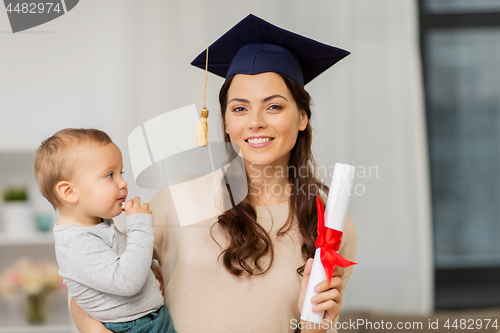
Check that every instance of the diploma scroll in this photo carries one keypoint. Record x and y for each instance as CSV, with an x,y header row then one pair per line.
x,y
330,229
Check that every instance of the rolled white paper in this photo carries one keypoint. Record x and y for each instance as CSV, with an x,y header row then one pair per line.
x,y
317,275
335,213
338,198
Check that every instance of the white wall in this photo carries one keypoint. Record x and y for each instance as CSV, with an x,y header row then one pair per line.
x,y
75,71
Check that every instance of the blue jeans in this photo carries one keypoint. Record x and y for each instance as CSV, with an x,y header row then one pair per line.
x,y
154,322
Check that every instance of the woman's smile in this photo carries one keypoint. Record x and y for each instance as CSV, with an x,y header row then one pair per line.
x,y
259,141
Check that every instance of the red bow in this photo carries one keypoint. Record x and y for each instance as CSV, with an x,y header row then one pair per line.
x,y
329,241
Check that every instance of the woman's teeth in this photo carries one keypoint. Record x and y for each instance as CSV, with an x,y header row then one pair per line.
x,y
259,140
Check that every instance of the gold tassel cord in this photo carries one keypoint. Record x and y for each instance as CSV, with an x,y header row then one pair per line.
x,y
201,136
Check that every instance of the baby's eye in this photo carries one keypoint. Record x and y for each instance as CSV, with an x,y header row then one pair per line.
x,y
122,172
109,175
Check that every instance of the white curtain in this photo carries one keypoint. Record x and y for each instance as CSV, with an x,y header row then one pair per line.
x,y
116,64
379,121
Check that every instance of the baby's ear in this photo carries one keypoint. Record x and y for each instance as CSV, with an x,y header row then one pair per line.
x,y
66,192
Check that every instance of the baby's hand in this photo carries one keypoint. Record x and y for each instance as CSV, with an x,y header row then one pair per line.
x,y
133,206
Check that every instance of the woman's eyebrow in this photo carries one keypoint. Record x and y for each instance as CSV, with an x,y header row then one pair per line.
x,y
242,100
272,97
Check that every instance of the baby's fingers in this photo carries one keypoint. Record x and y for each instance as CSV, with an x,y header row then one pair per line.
x,y
136,208
145,209
128,204
131,206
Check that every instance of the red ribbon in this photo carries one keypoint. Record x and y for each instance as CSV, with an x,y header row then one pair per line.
x,y
329,241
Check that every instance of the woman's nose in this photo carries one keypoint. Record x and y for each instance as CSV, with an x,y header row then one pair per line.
x,y
257,120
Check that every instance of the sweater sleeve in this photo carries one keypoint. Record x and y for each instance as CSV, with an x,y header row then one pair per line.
x,y
98,266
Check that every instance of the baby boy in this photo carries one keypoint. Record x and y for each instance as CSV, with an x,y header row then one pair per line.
x,y
108,273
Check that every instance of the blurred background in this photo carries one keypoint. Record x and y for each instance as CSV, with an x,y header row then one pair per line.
x,y
415,108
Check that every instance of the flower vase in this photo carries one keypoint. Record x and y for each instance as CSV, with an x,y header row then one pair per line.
x,y
36,308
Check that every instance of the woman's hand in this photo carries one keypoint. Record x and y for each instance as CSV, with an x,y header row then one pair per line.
x,y
159,276
329,297
85,323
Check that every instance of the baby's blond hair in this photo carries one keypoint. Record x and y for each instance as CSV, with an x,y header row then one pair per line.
x,y
53,160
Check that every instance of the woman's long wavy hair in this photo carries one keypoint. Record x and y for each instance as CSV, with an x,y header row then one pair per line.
x,y
249,243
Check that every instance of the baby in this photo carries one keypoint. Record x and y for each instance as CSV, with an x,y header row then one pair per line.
x,y
108,273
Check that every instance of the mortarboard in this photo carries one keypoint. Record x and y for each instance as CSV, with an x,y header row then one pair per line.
x,y
255,46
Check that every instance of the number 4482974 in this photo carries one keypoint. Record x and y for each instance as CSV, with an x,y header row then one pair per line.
x,y
471,324
34,8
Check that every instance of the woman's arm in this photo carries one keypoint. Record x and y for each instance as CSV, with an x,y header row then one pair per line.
x,y
85,323
159,276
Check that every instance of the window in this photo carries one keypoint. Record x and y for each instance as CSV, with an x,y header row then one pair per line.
x,y
460,42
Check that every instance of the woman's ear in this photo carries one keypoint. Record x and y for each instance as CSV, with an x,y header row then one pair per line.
x,y
303,120
66,192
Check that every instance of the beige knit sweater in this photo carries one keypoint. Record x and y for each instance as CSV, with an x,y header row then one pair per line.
x,y
202,296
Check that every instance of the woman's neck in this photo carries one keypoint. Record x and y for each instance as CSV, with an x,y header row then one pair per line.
x,y
268,185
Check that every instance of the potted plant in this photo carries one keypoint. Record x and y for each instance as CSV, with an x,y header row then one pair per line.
x,y
17,215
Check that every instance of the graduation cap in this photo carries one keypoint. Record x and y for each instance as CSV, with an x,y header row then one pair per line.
x,y
255,46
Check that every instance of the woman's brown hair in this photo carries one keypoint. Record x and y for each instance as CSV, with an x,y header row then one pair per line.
x,y
249,243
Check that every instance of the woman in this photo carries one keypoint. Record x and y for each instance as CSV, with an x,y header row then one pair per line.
x,y
244,271
247,269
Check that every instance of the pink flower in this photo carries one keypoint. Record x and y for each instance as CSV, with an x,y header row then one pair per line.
x,y
15,278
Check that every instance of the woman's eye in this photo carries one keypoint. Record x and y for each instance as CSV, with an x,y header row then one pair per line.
x,y
122,172
239,109
275,107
